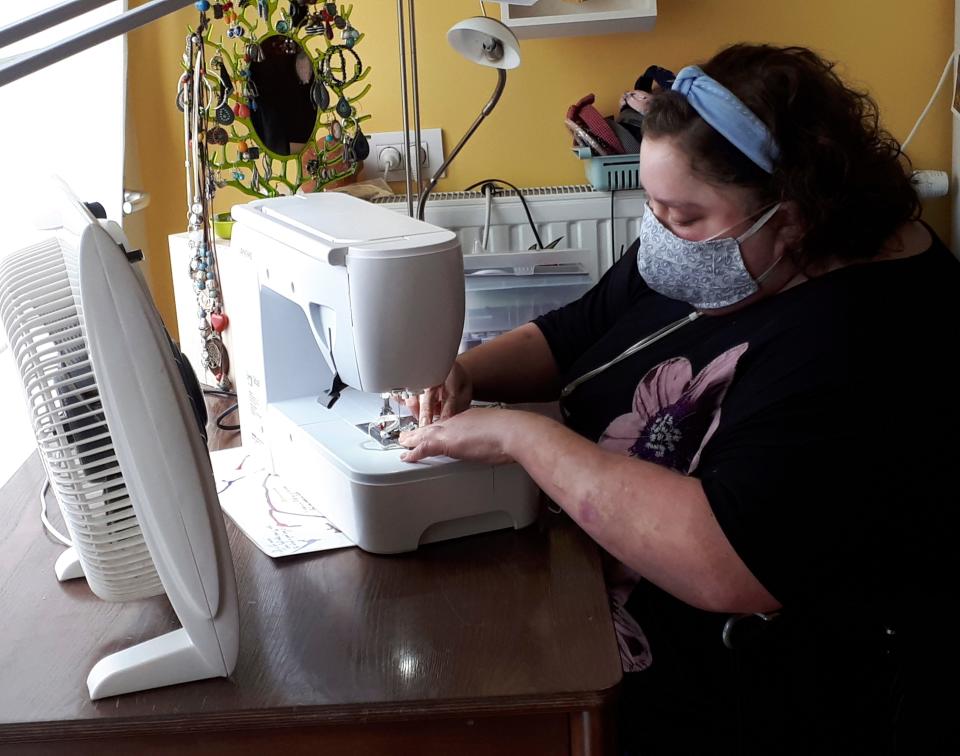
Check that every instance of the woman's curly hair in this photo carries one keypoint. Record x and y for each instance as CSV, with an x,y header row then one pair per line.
x,y
845,173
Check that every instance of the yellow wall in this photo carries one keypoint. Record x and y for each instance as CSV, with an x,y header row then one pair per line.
x,y
892,48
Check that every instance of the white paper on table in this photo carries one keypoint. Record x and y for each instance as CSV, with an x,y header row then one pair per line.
x,y
278,520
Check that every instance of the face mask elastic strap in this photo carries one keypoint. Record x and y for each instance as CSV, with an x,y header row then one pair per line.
x,y
763,276
759,224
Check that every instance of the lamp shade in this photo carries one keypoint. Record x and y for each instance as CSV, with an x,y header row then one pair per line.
x,y
485,41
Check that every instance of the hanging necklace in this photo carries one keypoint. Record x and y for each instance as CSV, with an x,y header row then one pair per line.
x,y
195,94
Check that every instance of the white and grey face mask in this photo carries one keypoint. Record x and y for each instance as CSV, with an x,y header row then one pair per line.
x,y
706,274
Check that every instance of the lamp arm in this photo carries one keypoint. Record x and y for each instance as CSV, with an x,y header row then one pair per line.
x,y
17,67
487,109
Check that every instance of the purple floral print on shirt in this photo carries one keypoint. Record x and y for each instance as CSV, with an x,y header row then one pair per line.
x,y
674,412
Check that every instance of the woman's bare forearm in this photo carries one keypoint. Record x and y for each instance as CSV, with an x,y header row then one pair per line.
x,y
653,519
515,367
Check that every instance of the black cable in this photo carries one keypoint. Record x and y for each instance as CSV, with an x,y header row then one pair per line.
x,y
523,201
227,411
220,392
613,235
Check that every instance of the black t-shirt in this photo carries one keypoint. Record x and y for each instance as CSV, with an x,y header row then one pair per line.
x,y
824,426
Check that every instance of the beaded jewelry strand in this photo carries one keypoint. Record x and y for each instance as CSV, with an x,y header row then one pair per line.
x,y
196,96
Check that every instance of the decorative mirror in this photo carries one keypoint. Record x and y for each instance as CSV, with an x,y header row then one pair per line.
x,y
283,82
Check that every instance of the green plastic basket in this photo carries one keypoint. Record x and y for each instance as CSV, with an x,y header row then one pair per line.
x,y
610,173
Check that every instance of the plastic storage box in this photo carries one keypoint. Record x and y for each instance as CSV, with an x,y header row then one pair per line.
x,y
506,290
610,172
499,303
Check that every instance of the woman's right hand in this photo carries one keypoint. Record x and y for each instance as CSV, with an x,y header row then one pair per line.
x,y
452,397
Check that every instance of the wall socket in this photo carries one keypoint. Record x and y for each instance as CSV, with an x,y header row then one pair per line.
x,y
386,152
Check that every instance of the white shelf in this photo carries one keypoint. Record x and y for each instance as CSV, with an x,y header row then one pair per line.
x,y
556,18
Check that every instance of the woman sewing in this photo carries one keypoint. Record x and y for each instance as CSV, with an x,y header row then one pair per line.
x,y
757,424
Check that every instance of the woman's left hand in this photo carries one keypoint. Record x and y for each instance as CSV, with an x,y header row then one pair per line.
x,y
478,435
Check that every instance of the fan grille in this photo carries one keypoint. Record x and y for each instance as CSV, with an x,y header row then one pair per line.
x,y
40,311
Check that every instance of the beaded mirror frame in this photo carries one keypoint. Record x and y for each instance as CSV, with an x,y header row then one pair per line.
x,y
249,124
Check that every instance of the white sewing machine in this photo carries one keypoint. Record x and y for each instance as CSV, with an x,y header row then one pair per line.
x,y
351,301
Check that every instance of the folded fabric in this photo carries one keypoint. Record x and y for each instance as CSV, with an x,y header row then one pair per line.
x,y
583,137
637,100
632,121
631,143
583,112
635,103
662,78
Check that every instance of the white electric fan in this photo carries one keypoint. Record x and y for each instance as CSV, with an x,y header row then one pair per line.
x,y
122,447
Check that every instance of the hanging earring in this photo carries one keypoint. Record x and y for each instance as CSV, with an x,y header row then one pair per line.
x,y
359,146
253,53
315,24
222,112
225,81
349,36
224,115
251,90
298,14
234,28
218,135
356,147
336,131
319,95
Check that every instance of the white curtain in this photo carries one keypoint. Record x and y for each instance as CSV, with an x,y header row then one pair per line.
x,y
67,120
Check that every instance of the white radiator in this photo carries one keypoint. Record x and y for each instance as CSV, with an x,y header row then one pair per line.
x,y
579,214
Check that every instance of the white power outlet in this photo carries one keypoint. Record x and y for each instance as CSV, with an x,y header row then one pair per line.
x,y
387,153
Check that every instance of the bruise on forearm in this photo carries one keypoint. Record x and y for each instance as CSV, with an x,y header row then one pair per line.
x,y
653,519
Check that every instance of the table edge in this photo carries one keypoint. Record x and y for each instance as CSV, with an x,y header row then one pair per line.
x,y
31,732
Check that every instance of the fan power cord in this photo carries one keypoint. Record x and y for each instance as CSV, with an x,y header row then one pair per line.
x,y
45,520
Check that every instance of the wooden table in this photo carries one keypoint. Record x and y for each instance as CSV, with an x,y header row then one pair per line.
x,y
499,643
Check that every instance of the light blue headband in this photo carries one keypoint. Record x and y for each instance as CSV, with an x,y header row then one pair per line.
x,y
719,107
